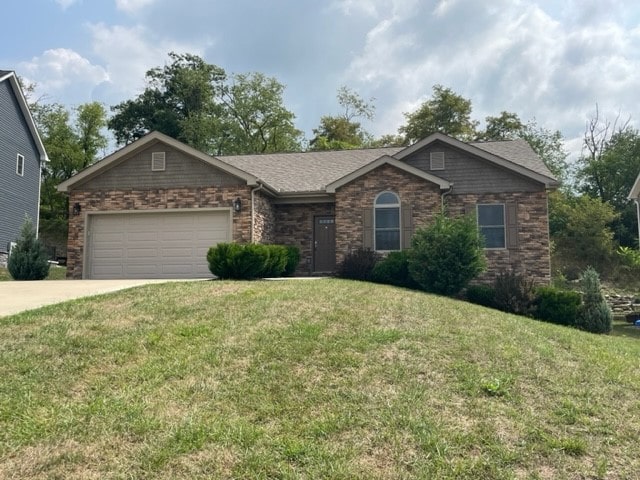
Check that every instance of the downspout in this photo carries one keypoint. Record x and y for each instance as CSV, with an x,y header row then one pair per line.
x,y
253,204
444,194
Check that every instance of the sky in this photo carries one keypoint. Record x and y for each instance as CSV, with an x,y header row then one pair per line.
x,y
547,60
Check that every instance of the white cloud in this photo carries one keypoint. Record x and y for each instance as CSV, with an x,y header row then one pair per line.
x,y
130,6
62,70
67,3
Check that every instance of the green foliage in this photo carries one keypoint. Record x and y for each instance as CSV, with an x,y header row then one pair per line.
x,y
394,270
293,259
557,306
580,230
28,259
446,255
247,261
594,315
629,256
481,294
514,293
358,264
445,112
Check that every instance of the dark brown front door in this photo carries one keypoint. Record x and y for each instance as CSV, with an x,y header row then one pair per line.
x,y
324,244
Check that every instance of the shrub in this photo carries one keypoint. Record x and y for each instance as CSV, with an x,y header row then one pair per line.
x,y
28,259
557,306
358,264
484,295
629,257
293,259
594,315
445,256
244,262
514,293
394,270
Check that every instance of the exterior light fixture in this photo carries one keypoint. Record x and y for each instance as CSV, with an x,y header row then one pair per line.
x,y
76,209
237,204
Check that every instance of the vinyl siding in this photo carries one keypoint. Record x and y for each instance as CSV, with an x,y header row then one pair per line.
x,y
19,195
471,174
134,172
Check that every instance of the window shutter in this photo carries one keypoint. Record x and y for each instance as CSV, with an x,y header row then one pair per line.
x,y
511,221
407,226
367,219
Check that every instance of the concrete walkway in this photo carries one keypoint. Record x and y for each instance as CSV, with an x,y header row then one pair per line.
x,y
19,296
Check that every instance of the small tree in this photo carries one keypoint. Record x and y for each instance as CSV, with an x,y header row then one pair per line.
x,y
447,255
594,315
28,259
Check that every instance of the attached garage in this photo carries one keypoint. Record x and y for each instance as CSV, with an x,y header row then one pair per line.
x,y
152,244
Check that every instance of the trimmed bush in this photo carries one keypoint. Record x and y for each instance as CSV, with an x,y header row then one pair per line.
x,y
293,259
28,259
394,270
445,256
358,264
484,295
557,306
246,262
514,293
594,315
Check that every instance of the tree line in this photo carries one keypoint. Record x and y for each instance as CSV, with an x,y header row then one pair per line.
x,y
201,105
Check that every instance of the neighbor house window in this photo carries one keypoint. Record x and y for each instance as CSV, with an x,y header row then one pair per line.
x,y
387,222
492,225
157,161
20,165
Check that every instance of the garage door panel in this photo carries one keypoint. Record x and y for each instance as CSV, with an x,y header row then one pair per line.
x,y
154,245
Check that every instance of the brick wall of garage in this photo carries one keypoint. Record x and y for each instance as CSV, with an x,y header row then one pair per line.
x,y
152,200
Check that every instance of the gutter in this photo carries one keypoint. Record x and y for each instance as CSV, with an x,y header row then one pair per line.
x,y
637,200
444,194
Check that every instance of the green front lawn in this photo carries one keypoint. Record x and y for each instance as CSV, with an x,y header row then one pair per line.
x,y
309,379
55,273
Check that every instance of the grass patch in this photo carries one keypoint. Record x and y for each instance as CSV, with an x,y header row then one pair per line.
x,y
55,273
324,379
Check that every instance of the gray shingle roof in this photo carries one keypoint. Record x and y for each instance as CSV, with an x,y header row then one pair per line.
x,y
306,171
516,151
4,72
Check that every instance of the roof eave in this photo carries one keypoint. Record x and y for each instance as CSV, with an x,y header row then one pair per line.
x,y
634,194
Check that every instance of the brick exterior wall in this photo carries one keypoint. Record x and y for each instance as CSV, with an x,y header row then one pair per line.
x,y
423,197
531,257
155,199
294,226
264,219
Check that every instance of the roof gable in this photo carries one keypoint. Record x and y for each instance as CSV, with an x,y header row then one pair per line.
x,y
634,194
514,155
9,76
152,138
387,160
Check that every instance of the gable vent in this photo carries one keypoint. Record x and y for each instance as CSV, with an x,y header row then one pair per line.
x,y
437,160
157,162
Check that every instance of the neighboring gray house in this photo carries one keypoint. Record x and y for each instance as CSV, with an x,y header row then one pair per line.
x,y
153,208
634,195
21,158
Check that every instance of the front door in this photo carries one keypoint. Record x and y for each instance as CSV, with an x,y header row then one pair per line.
x,y
324,244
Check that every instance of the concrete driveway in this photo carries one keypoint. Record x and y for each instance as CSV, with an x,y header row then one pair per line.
x,y
19,296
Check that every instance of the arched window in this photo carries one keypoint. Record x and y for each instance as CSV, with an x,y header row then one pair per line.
x,y
387,222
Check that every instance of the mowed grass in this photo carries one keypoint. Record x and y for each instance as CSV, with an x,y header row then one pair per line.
x,y
55,273
309,379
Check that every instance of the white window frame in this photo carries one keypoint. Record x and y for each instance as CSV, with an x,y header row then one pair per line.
x,y
158,161
387,206
504,223
20,165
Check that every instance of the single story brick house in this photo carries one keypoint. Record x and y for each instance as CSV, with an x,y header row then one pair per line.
x,y
153,208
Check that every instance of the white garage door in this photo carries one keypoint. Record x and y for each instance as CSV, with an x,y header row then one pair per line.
x,y
154,245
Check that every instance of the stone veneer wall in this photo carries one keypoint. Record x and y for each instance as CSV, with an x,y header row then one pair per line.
x,y
154,199
531,257
294,226
351,199
264,219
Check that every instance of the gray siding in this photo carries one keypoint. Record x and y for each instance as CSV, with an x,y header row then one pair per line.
x,y
19,196
471,174
181,170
